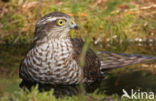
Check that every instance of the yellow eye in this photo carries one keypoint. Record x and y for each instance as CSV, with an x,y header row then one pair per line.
x,y
60,22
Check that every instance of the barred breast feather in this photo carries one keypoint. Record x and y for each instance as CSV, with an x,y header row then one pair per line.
x,y
51,63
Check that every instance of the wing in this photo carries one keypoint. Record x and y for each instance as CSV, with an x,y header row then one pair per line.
x,y
92,62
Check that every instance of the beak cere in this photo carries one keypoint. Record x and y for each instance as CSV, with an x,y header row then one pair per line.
x,y
73,26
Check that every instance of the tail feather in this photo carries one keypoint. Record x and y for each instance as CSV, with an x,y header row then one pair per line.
x,y
114,60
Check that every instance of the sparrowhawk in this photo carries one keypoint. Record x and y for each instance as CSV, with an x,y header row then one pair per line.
x,y
53,57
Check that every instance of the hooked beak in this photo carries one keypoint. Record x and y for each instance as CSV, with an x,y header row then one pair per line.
x,y
73,25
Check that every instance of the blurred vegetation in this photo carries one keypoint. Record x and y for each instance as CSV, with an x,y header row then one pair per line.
x,y
35,95
109,20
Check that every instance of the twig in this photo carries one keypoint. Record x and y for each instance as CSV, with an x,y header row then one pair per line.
x,y
134,10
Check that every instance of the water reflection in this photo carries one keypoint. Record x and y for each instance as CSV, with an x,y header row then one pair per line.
x,y
60,90
138,80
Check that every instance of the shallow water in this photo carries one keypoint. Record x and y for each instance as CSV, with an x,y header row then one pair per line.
x,y
135,77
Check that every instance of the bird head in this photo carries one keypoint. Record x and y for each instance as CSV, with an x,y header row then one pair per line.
x,y
54,25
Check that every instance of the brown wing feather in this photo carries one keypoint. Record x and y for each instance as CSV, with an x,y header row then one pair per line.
x,y
92,63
